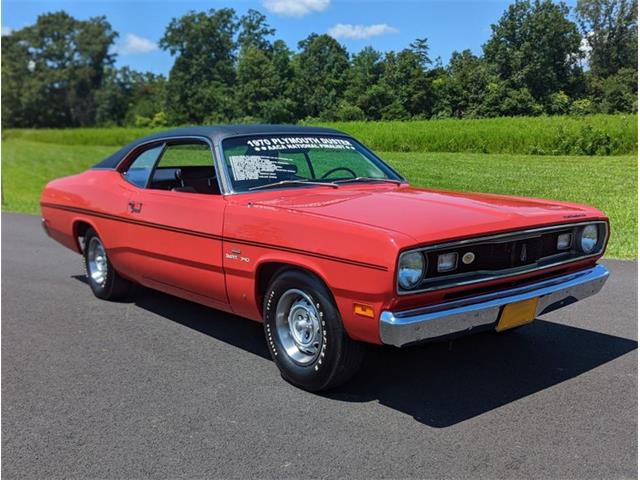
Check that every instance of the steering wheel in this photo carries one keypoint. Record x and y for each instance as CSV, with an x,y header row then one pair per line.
x,y
337,169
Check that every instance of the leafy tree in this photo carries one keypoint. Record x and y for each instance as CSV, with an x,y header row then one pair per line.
x,y
469,77
254,31
320,71
405,74
257,81
113,97
536,47
610,27
126,95
264,72
365,70
51,70
201,81
620,92
502,100
148,97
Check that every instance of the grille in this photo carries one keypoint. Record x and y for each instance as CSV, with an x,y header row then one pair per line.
x,y
504,255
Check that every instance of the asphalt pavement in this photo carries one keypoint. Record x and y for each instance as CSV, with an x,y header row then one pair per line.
x,y
164,388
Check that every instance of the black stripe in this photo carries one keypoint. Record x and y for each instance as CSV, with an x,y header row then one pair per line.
x,y
195,233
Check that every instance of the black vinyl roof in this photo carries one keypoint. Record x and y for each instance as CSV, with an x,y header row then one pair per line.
x,y
215,133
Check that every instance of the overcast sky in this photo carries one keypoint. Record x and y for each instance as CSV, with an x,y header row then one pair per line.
x,y
385,25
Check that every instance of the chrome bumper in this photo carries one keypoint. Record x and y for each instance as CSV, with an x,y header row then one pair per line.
x,y
482,311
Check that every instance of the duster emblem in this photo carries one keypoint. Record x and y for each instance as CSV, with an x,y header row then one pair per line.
x,y
468,258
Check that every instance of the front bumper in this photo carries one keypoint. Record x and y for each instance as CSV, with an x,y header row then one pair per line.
x,y
483,311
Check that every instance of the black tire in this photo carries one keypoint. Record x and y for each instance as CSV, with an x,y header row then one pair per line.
x,y
338,356
113,286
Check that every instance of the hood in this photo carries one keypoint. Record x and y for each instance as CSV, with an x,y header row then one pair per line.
x,y
429,215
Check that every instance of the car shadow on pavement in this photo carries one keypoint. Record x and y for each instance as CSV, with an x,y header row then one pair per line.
x,y
438,384
442,384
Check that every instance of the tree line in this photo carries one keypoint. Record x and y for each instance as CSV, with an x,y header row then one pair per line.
x,y
541,58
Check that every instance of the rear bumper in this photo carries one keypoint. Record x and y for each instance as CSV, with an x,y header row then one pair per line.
x,y
482,311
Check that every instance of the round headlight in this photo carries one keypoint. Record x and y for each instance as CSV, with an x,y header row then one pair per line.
x,y
410,269
589,238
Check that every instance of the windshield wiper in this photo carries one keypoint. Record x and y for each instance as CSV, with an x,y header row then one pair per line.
x,y
293,182
370,179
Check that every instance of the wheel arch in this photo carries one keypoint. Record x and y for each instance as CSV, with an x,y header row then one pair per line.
x,y
267,270
79,230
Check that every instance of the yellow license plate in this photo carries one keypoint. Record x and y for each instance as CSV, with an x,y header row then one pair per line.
x,y
518,313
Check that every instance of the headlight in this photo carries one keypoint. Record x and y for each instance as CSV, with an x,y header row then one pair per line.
x,y
410,269
589,238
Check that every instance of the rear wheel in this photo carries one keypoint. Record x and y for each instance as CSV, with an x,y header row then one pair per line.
x,y
305,334
104,281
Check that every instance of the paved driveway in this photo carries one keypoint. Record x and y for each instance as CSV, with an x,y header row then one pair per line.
x,y
161,387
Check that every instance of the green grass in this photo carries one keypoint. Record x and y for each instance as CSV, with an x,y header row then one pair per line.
x,y
28,166
594,134
608,183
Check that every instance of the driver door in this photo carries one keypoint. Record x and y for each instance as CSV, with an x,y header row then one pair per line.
x,y
176,225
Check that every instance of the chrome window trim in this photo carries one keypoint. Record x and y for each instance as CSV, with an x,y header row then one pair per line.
x,y
125,162
521,234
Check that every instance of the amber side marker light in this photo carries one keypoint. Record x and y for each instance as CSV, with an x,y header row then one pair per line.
x,y
363,310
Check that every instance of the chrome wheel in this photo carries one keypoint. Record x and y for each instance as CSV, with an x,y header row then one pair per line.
x,y
97,261
298,326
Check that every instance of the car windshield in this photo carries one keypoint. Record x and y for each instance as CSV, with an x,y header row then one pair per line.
x,y
291,161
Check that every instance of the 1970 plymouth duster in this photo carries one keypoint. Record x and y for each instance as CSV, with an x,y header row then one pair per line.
x,y
308,231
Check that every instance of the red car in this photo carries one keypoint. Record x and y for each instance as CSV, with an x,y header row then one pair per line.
x,y
308,231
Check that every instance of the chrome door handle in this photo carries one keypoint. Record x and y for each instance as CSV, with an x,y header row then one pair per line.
x,y
135,207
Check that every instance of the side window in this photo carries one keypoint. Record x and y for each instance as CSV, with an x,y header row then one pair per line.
x,y
187,155
139,171
187,168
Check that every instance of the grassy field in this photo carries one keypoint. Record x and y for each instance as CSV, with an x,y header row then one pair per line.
x,y
609,183
588,135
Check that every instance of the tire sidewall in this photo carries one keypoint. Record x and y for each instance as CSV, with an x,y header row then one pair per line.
x,y
316,375
100,291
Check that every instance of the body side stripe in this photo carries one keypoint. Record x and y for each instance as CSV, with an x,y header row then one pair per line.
x,y
195,233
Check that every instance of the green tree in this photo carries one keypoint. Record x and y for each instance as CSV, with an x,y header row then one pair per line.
x,y
405,74
610,27
113,97
320,75
469,77
254,31
365,72
127,97
620,92
51,71
257,81
202,79
535,46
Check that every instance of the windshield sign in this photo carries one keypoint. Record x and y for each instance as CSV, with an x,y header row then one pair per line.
x,y
289,161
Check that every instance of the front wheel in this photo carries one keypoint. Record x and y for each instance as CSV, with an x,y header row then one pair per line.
x,y
103,279
305,334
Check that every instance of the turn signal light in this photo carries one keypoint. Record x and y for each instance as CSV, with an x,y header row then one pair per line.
x,y
363,310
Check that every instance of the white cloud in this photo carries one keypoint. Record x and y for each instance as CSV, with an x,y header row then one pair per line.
x,y
6,30
360,32
133,44
295,8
